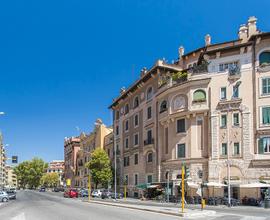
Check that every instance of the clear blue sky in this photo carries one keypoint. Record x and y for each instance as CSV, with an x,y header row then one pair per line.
x,y
62,62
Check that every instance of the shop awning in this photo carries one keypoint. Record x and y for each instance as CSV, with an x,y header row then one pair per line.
x,y
214,184
143,186
255,185
152,186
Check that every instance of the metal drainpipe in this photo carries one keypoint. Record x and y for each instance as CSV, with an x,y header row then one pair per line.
x,y
255,93
157,147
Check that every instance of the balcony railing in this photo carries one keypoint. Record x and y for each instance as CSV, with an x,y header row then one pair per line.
x,y
148,141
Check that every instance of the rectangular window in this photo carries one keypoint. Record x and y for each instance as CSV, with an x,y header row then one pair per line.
x,y
236,149
126,125
236,119
136,139
266,115
223,93
266,86
227,66
166,140
149,112
224,149
136,120
223,121
181,151
149,136
126,161
117,130
126,143
149,178
135,179
181,125
264,145
109,153
235,91
136,159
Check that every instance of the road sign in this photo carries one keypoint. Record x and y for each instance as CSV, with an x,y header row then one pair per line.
x,y
14,159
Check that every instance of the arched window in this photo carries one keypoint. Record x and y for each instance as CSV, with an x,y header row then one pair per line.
x,y
149,93
163,106
265,58
136,102
150,157
126,109
199,96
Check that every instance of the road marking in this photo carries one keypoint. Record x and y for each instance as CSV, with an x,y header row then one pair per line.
x,y
252,218
19,217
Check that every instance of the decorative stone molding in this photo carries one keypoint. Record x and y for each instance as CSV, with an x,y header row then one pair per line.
x,y
215,135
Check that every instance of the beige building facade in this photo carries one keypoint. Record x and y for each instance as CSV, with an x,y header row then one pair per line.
x,y
210,110
11,177
89,142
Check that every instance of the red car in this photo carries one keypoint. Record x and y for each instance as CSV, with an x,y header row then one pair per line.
x,y
71,193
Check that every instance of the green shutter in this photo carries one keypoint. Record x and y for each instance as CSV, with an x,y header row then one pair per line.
x,y
261,147
266,115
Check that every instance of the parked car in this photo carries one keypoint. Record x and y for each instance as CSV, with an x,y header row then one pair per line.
x,y
3,196
58,189
118,196
97,193
83,193
71,193
11,194
42,189
106,194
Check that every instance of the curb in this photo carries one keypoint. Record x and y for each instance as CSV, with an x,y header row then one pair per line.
x,y
185,214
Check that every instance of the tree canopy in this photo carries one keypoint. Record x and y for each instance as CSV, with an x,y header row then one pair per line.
x,y
100,167
29,173
49,179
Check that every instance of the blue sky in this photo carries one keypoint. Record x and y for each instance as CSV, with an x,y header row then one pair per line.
x,y
62,62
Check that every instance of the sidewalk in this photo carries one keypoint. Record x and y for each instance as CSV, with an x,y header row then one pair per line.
x,y
158,208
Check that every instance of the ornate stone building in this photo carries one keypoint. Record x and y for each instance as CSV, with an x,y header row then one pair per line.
x,y
209,110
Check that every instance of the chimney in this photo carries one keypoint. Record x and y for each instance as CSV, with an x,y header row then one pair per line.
x,y
181,51
207,40
243,32
252,27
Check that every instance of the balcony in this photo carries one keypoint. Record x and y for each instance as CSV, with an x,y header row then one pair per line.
x,y
234,72
264,67
148,141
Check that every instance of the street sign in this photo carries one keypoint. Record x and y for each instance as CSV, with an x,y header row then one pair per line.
x,y
14,159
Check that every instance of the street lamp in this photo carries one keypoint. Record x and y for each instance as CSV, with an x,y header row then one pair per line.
x,y
228,160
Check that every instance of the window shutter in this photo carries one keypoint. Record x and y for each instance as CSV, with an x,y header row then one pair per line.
x,y
261,147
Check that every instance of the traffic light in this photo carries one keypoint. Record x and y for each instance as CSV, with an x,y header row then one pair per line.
x,y
187,172
14,159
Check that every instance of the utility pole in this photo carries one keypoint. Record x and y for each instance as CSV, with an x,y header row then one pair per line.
x,y
115,157
89,186
183,188
228,160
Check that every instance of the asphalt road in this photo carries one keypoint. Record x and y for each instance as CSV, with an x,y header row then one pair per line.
x,y
33,205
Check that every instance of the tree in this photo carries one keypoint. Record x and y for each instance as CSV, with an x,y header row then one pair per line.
x,y
30,172
100,167
49,179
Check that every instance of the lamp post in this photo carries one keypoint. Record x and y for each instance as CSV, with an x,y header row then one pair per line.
x,y
228,161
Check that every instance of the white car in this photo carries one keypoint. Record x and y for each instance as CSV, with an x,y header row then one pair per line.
x,y
97,193
3,196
